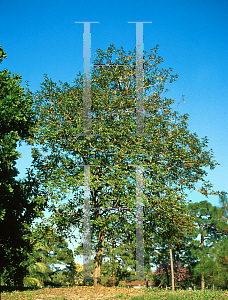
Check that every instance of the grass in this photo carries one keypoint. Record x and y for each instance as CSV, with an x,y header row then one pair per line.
x,y
179,295
112,293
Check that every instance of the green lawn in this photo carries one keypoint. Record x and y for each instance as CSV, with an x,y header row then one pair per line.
x,y
179,295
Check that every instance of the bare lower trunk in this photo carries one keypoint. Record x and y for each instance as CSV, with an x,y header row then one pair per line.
x,y
98,260
202,275
202,282
172,270
147,279
113,260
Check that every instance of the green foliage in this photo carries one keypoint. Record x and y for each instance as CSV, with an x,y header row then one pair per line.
x,y
174,159
49,251
32,282
38,273
20,200
211,226
162,276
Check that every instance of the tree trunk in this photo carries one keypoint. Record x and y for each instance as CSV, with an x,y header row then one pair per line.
x,y
202,282
202,276
98,260
113,260
147,279
177,259
172,270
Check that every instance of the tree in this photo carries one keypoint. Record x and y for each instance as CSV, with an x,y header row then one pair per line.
x,y
221,214
20,200
50,251
162,276
38,273
207,220
171,236
215,265
121,257
173,158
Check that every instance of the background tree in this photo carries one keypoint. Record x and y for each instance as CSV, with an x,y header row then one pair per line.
x,y
215,265
173,158
50,251
172,235
121,259
20,200
206,220
221,215
38,272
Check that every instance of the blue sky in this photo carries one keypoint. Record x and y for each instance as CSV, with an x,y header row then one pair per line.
x,y
42,37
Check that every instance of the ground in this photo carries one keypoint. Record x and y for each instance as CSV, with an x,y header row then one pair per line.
x,y
80,292
109,293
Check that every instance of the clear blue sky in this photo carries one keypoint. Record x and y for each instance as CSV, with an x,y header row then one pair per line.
x,y
42,37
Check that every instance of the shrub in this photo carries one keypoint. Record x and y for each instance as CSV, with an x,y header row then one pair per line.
x,y
162,276
121,284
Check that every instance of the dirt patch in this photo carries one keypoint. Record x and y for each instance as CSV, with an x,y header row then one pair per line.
x,y
80,292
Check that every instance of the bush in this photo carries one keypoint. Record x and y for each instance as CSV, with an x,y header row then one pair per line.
x,y
121,284
162,276
112,282
87,282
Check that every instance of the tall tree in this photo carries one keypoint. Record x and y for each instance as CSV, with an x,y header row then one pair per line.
x,y
173,158
221,214
217,256
215,264
207,220
20,200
